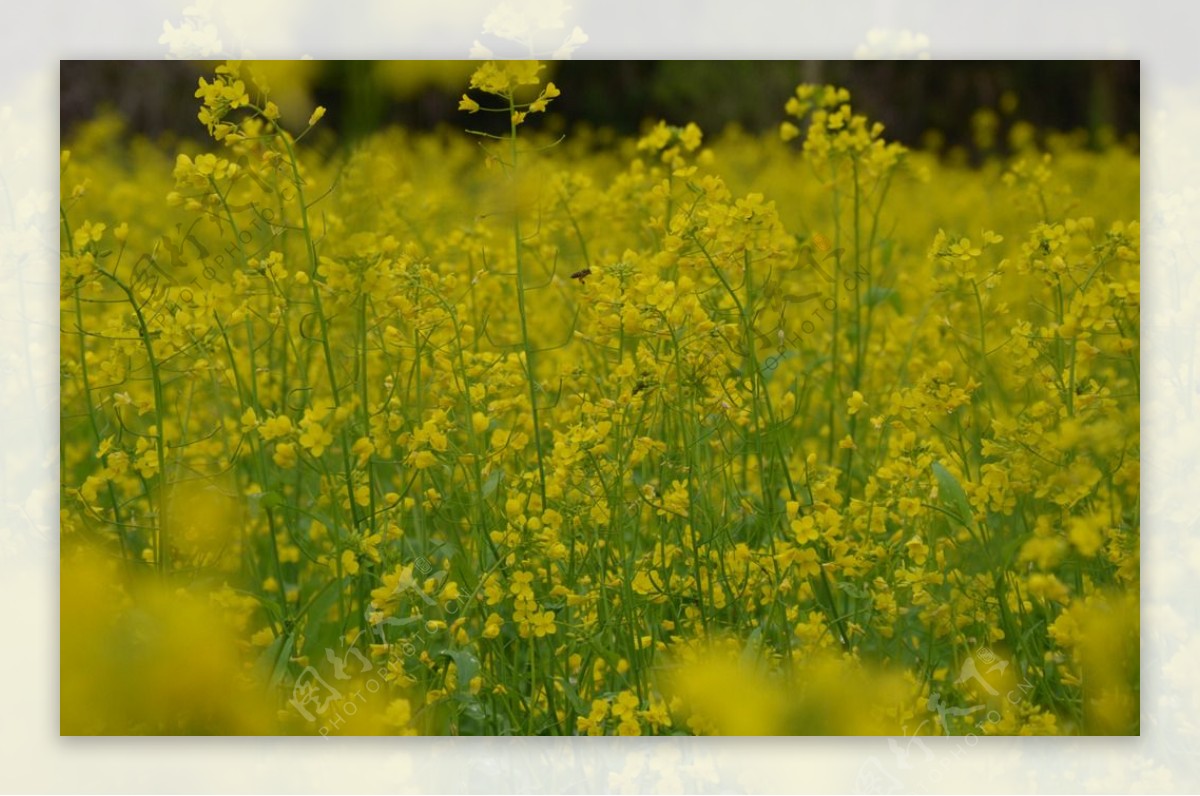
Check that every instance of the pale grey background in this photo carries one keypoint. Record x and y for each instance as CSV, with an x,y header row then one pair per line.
x,y
37,35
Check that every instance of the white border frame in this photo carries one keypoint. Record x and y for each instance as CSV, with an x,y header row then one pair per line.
x,y
1163,759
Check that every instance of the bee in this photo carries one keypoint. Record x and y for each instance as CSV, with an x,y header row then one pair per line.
x,y
582,275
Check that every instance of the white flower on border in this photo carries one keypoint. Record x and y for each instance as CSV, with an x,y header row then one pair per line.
x,y
888,43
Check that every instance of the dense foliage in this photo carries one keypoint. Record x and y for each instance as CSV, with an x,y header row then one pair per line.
x,y
479,434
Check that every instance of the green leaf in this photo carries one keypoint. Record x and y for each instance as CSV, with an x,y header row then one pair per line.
x,y
886,247
573,697
877,295
471,708
493,480
281,663
951,493
853,590
467,663
271,500
275,657
752,652
327,636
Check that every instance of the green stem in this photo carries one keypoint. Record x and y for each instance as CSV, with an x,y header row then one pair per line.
x,y
528,349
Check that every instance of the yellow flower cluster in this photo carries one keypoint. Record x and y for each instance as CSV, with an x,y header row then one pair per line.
x,y
503,80
799,433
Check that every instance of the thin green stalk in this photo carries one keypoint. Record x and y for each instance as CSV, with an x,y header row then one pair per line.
x,y
530,369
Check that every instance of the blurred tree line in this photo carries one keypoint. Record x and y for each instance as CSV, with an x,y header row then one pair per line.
x,y
912,98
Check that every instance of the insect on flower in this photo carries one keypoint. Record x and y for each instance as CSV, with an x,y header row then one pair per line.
x,y
582,275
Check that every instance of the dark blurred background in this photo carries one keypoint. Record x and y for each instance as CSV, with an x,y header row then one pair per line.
x,y
910,97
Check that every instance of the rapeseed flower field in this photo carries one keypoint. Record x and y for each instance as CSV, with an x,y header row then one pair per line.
x,y
508,432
